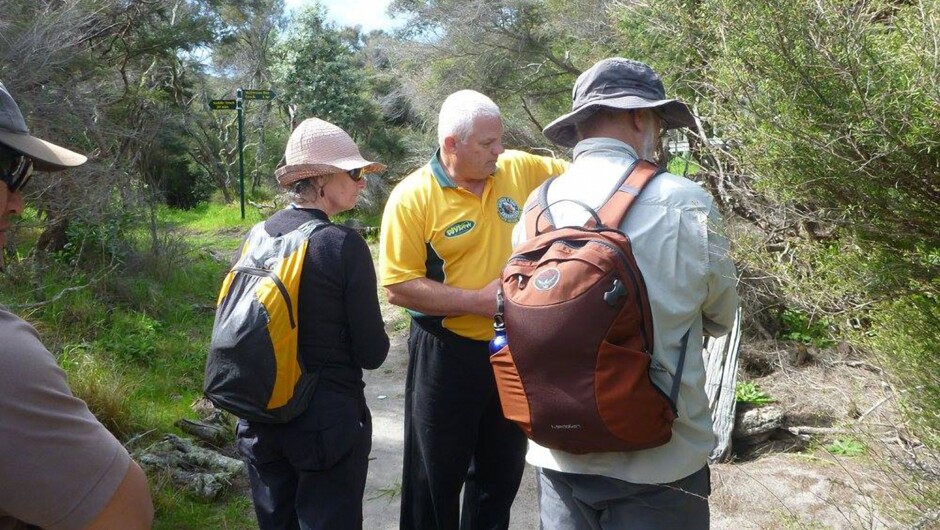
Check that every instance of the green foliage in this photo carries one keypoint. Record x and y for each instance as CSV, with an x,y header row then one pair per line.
x,y
319,73
749,392
130,337
167,167
805,329
847,446
212,218
133,341
683,165
830,112
525,55
905,339
836,108
100,240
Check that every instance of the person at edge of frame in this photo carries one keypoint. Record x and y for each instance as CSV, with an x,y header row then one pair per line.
x,y
60,468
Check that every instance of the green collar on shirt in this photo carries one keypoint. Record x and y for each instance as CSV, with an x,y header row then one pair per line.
x,y
438,171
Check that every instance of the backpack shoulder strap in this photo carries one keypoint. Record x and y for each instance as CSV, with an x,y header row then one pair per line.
x,y
534,215
631,184
311,226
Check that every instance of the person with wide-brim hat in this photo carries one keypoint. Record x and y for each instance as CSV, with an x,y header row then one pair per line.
x,y
617,84
60,467
311,471
619,110
21,153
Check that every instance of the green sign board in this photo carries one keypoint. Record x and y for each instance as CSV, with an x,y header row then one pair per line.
x,y
223,104
257,94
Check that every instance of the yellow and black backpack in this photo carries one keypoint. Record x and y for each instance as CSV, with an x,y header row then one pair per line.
x,y
254,369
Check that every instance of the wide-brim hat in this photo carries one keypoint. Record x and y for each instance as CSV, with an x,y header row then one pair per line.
x,y
318,147
46,156
622,84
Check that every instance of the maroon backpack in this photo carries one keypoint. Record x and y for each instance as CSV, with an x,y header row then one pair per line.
x,y
575,374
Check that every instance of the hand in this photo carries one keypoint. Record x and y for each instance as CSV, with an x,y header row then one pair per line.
x,y
487,298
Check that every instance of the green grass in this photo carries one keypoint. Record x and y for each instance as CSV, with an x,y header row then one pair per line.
x,y
133,340
176,510
208,217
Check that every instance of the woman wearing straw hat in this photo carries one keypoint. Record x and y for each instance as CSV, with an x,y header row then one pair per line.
x,y
311,471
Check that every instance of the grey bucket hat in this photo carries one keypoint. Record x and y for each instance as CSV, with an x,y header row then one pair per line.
x,y
617,83
13,133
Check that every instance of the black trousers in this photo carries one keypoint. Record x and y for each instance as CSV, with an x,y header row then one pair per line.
x,y
310,473
456,436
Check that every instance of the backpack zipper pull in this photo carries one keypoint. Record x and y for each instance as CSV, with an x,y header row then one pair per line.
x,y
616,292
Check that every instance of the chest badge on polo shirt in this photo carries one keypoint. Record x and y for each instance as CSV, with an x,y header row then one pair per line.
x,y
459,228
508,209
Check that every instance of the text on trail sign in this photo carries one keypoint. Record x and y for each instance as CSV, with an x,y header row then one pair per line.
x,y
223,104
257,94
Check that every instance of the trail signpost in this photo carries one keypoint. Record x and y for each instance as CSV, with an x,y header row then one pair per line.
x,y
238,104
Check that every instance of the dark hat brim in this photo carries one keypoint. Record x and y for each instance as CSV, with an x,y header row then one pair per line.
x,y
563,131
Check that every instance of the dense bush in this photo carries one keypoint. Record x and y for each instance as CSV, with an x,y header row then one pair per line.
x,y
830,118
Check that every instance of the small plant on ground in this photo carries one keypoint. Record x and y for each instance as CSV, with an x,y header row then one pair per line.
x,y
388,493
748,392
846,447
800,327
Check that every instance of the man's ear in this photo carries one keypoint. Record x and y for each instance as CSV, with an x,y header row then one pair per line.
x,y
450,144
637,119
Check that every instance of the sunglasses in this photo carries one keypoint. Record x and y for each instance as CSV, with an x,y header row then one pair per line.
x,y
356,174
15,169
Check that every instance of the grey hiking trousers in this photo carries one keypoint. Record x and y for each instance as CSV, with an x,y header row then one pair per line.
x,y
569,501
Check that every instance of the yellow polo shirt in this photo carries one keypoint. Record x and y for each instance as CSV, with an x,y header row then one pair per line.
x,y
431,228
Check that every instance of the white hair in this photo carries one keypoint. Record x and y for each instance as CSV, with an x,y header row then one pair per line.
x,y
460,110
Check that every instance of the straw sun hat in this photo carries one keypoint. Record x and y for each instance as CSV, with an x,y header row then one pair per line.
x,y
317,147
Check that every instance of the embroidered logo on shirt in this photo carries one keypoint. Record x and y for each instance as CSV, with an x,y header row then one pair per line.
x,y
547,279
508,209
459,228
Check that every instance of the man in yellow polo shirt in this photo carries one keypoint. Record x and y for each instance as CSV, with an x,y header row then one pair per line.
x,y
446,234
